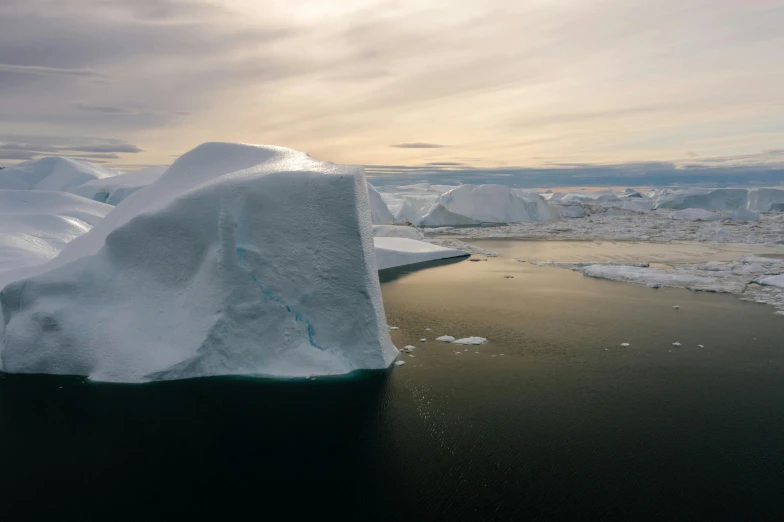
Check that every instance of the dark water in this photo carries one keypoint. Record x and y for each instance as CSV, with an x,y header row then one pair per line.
x,y
565,425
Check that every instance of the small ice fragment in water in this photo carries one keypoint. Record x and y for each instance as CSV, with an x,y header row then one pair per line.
x,y
677,307
474,260
508,277
676,344
700,346
471,340
411,356
400,363
445,338
394,328
458,353
427,329
423,340
492,356
408,349
624,344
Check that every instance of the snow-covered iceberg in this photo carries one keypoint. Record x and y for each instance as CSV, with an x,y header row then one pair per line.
x,y
393,252
239,259
114,189
52,173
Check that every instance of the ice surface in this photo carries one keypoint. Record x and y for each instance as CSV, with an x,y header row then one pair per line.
x,y
51,173
239,259
35,225
399,251
114,189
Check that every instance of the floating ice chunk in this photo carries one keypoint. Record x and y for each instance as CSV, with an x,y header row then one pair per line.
x,y
676,344
508,277
400,251
423,340
471,340
445,339
777,281
400,363
408,349
677,307
427,329
624,344
394,328
700,346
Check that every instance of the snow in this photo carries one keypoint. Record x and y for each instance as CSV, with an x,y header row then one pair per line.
x,y
470,340
51,173
239,259
35,225
379,212
445,339
400,251
116,188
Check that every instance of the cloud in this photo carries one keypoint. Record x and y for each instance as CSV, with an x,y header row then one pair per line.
x,y
418,145
24,147
107,109
56,71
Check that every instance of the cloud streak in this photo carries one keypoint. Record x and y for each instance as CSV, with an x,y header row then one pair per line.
x,y
48,71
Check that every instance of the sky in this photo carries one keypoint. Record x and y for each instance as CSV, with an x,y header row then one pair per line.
x,y
422,86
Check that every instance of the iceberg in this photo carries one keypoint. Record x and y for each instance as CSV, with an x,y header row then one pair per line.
x,y
766,200
239,259
497,204
393,252
439,216
115,189
708,199
379,211
52,173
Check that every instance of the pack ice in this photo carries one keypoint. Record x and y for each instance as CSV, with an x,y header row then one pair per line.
x,y
239,259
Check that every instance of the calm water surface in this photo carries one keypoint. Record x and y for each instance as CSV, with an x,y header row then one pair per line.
x,y
551,420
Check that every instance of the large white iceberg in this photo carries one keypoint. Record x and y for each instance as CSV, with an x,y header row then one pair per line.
x,y
240,259
51,173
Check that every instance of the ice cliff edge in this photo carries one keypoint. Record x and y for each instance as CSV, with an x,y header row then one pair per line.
x,y
239,259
